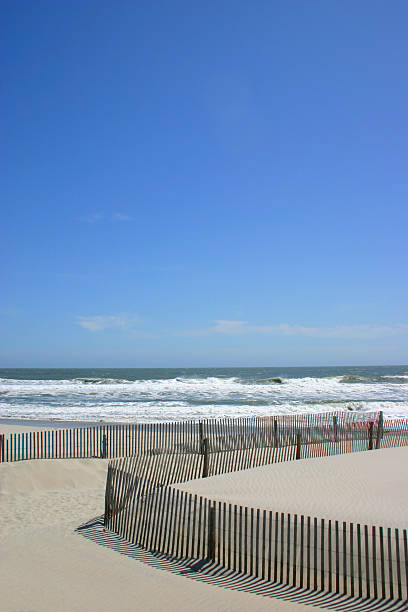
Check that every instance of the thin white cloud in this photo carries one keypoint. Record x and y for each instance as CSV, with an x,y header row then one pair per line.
x,y
220,327
98,217
228,327
337,331
121,217
130,323
91,217
97,323
285,329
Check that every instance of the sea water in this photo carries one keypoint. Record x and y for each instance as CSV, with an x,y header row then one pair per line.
x,y
126,395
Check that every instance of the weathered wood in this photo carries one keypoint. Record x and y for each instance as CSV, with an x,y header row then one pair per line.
x,y
374,559
298,445
382,564
398,559
335,434
205,458
104,451
330,555
367,560
337,554
322,552
211,532
370,435
390,576
232,444
380,425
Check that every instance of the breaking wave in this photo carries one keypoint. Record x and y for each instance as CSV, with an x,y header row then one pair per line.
x,y
195,396
393,380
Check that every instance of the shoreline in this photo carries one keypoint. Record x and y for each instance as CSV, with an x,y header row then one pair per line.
x,y
30,424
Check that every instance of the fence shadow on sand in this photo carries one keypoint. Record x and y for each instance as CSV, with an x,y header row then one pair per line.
x,y
212,573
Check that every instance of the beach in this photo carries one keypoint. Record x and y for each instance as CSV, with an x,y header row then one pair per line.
x,y
204,332
47,566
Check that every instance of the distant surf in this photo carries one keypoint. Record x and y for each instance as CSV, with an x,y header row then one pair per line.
x,y
126,395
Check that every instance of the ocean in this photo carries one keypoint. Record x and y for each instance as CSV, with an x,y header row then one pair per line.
x,y
143,395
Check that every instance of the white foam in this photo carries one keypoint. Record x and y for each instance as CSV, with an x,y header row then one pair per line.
x,y
190,398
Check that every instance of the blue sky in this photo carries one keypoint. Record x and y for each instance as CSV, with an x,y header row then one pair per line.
x,y
204,183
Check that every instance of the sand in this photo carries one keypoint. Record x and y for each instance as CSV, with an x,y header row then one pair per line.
x,y
46,566
9,426
7,429
367,487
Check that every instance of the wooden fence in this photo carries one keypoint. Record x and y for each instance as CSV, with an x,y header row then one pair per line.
x,y
302,551
143,506
253,435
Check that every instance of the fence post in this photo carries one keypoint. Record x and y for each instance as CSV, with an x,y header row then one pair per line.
x,y
201,429
104,450
335,428
2,448
275,431
370,435
108,505
211,533
298,445
380,426
205,457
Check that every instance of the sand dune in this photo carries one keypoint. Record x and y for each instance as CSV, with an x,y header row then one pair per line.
x,y
42,475
368,487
